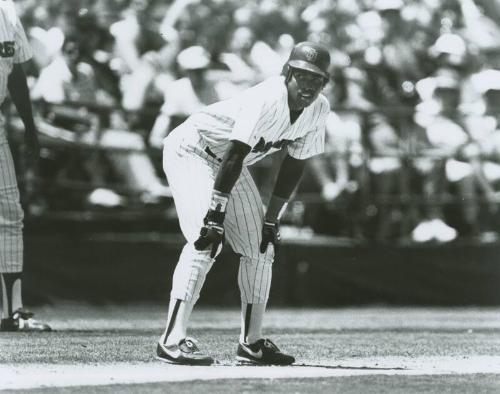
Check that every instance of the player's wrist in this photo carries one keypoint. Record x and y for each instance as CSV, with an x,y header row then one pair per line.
x,y
275,210
217,209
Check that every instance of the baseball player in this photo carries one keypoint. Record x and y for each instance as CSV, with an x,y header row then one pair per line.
x,y
205,160
14,50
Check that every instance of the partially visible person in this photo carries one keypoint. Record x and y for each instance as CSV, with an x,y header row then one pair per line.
x,y
484,128
385,167
146,42
15,50
336,172
447,161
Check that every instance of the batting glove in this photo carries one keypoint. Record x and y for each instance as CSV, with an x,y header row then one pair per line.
x,y
212,233
270,234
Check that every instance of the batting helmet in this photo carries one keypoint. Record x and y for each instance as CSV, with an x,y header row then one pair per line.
x,y
310,56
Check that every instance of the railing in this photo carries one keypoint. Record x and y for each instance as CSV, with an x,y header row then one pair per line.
x,y
367,201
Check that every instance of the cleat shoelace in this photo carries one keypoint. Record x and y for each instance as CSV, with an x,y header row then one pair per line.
x,y
191,345
270,345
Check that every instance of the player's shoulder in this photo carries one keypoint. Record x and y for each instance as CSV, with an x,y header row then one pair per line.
x,y
269,91
271,85
323,104
276,80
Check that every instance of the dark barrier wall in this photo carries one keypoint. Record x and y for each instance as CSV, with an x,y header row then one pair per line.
x,y
127,268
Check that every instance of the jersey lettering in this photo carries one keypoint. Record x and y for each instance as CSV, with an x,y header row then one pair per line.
x,y
7,49
263,146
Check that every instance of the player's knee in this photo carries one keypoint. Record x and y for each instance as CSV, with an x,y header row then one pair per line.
x,y
190,273
259,259
262,260
254,279
256,256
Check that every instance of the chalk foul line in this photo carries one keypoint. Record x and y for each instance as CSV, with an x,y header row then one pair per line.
x,y
26,376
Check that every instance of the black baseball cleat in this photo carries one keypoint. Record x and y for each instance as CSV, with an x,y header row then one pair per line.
x,y
262,352
184,353
22,321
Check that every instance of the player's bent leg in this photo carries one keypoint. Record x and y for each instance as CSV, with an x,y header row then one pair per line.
x,y
254,279
189,277
174,345
190,178
244,219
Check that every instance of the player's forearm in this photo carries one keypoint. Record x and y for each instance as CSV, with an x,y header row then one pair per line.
x,y
19,93
288,177
231,166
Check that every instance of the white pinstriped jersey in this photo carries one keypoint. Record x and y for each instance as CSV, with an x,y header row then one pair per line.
x,y
260,117
14,46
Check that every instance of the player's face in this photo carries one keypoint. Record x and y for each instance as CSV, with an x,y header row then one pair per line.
x,y
303,88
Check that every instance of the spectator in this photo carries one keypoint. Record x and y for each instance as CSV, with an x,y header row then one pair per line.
x,y
146,43
69,80
339,172
385,171
447,161
391,53
484,128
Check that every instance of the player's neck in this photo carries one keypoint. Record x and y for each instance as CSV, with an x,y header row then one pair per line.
x,y
294,114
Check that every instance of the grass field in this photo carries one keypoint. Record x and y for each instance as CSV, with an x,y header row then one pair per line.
x,y
353,350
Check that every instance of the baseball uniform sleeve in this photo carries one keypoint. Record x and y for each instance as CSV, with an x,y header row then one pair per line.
x,y
256,111
23,49
313,142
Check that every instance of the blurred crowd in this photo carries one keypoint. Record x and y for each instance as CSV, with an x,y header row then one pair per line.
x,y
413,139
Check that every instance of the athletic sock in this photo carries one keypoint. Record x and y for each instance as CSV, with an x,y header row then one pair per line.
x,y
11,292
179,312
252,316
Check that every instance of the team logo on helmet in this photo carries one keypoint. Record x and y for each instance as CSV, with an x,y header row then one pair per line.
x,y
311,54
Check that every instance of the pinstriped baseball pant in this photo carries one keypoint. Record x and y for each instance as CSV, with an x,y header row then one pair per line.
x,y
11,214
191,174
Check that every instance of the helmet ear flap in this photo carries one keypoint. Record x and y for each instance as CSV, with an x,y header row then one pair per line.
x,y
287,72
284,70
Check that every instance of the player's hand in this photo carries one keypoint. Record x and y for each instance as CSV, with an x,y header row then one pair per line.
x,y
270,234
212,233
